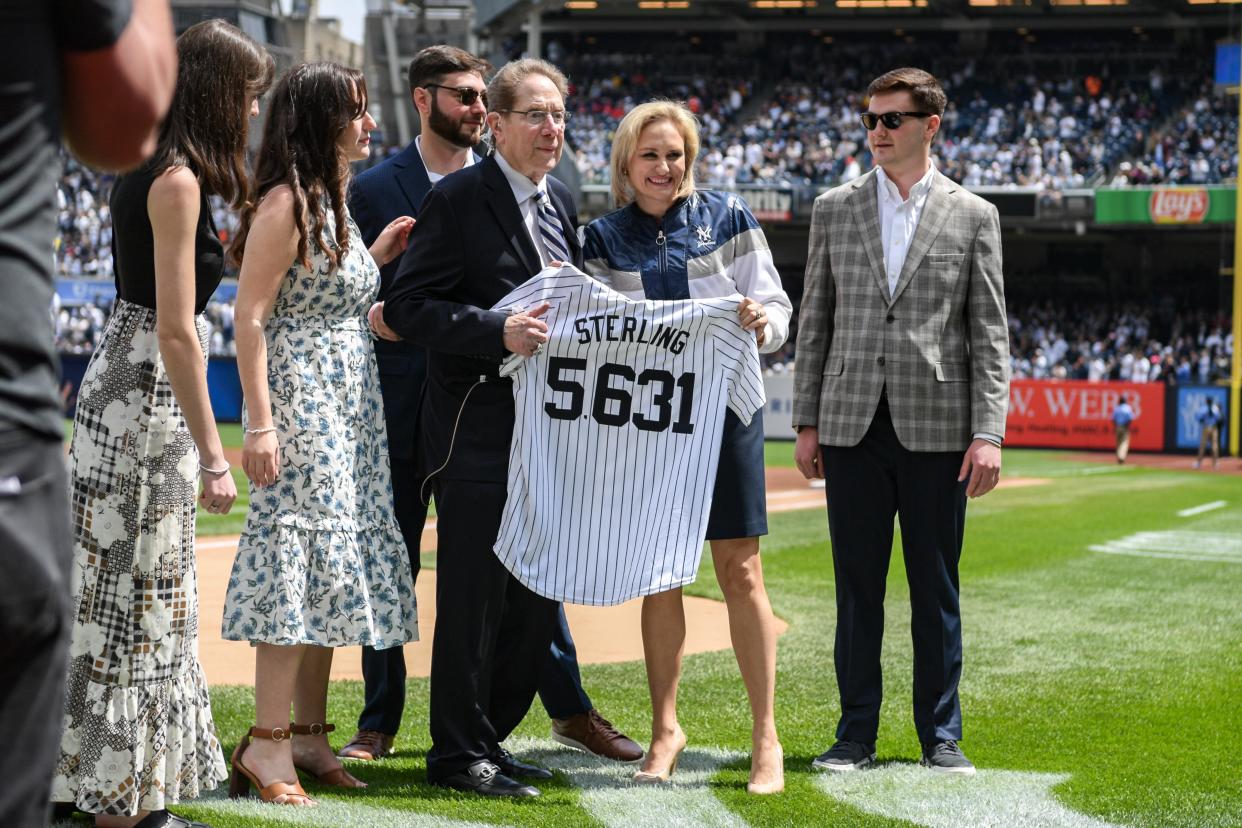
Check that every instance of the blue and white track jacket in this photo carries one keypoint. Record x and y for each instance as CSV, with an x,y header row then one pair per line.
x,y
707,245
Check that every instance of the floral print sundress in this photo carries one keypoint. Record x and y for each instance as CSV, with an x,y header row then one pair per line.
x,y
321,560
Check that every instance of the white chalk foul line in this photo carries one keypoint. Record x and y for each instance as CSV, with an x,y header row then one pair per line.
x,y
1206,507
1212,547
615,801
941,800
330,813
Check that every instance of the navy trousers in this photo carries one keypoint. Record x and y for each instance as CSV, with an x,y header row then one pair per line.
x,y
867,485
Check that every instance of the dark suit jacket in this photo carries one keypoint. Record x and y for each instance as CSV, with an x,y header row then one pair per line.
x,y
467,251
387,191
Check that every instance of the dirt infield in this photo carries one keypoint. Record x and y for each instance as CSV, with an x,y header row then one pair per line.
x,y
602,634
1171,462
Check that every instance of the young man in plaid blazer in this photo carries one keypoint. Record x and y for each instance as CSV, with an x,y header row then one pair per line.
x,y
900,397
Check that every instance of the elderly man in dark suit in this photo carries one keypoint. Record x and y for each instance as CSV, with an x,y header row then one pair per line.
x,y
482,232
448,88
900,397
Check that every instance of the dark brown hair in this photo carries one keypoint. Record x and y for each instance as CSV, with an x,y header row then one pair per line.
x,y
312,104
433,63
220,69
922,86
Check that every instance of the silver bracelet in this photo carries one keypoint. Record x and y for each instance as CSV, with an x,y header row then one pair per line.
x,y
260,430
214,472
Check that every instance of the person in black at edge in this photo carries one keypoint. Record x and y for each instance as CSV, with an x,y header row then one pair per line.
x,y
103,72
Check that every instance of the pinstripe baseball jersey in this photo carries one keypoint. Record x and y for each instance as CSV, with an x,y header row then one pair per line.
x,y
617,437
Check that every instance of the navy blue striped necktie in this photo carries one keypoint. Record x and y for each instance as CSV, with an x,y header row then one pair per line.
x,y
550,229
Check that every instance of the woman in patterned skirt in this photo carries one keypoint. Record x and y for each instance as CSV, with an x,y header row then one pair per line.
x,y
138,727
321,562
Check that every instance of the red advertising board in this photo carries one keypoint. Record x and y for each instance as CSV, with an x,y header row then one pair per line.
x,y
1069,414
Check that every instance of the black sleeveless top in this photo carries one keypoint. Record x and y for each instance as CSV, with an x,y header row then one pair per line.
x,y
133,248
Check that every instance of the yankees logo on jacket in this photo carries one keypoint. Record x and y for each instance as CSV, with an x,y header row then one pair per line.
x,y
617,437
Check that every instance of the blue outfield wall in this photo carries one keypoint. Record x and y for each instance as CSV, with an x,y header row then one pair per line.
x,y
223,384
1181,416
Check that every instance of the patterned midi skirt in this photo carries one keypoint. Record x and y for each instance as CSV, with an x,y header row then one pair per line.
x,y
138,727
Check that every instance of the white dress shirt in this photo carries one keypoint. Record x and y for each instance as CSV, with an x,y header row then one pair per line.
x,y
524,191
898,220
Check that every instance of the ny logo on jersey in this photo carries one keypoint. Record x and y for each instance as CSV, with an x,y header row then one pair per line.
x,y
704,232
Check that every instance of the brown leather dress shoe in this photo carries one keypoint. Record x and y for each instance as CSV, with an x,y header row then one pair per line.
x,y
593,733
367,745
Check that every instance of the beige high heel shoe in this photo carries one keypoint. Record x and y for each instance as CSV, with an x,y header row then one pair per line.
x,y
777,784
642,777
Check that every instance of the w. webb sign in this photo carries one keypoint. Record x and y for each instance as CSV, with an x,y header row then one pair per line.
x,y
1080,414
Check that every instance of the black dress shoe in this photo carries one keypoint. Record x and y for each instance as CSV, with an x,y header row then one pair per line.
x,y
510,765
167,819
483,777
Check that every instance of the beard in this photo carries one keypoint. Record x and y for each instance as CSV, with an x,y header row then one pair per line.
x,y
455,132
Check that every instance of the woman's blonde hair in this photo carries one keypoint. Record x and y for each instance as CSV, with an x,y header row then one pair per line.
x,y
626,141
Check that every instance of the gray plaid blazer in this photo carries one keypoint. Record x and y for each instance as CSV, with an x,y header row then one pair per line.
x,y
940,344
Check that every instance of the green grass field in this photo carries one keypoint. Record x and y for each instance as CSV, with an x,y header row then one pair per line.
x,y
1101,686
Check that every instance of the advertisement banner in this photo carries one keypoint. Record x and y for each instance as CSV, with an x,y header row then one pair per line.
x,y
1171,206
1079,414
778,413
1190,399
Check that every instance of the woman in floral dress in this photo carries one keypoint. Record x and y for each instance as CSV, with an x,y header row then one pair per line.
x,y
321,563
138,727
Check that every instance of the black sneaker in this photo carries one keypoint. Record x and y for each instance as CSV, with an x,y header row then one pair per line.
x,y
846,756
946,757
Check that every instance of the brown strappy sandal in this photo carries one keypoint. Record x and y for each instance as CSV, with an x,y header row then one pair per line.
x,y
337,777
242,777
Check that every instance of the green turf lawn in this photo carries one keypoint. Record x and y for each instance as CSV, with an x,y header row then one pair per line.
x,y
1120,675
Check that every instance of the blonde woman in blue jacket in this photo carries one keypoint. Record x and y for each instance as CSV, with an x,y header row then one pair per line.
x,y
668,240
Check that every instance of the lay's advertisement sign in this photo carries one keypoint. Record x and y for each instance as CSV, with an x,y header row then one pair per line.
x,y
1166,206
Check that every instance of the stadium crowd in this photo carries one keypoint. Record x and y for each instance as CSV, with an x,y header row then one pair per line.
x,y
1055,122
1131,343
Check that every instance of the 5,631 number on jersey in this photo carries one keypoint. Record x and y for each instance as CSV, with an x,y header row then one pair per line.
x,y
612,402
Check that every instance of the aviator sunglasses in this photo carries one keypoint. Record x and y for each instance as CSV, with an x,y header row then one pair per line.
x,y
891,120
466,94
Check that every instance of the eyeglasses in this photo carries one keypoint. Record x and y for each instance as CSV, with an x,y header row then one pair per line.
x,y
466,94
891,120
536,117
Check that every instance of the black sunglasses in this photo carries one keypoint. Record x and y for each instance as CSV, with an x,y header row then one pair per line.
x,y
891,120
466,94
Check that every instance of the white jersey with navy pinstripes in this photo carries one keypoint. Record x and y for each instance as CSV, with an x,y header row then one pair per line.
x,y
617,437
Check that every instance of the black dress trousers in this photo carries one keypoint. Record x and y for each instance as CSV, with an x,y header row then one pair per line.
x,y
867,485
492,634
